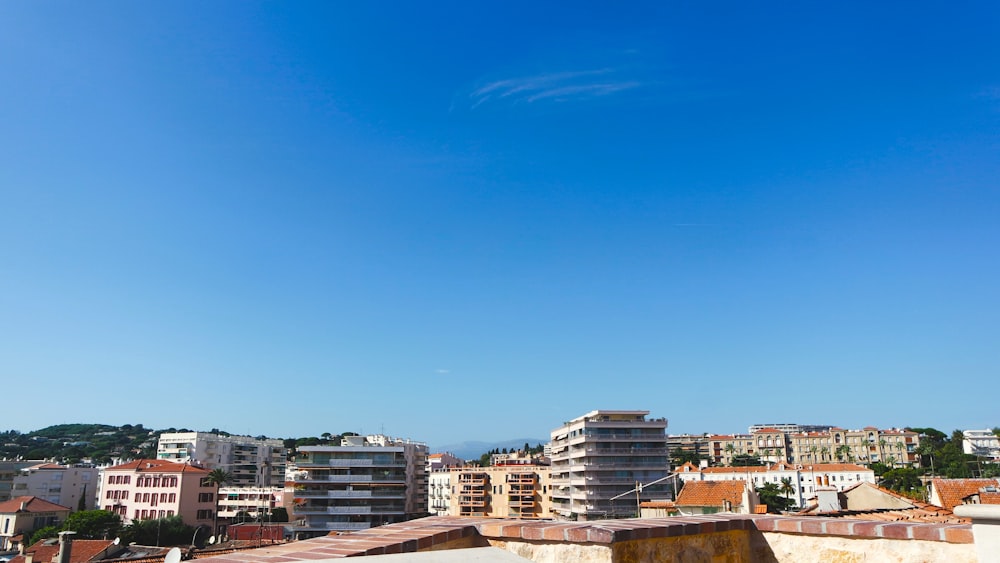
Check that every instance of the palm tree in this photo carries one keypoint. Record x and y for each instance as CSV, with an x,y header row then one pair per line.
x,y
217,477
813,451
824,452
928,450
786,487
900,446
881,450
730,448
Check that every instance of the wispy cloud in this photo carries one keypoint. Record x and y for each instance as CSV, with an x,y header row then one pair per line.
x,y
556,86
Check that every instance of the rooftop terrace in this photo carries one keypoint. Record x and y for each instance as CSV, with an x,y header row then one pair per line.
x,y
721,537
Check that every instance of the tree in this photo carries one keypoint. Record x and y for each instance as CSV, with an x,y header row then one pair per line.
x,y
786,487
730,449
881,450
813,451
158,531
746,460
824,451
217,477
279,514
93,524
44,533
681,456
903,479
770,494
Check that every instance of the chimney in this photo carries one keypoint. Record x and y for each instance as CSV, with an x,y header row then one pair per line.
x,y
65,546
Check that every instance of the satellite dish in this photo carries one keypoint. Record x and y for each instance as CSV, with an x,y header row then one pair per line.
x,y
117,541
173,556
211,540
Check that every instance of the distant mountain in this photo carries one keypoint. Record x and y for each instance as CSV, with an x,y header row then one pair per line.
x,y
474,449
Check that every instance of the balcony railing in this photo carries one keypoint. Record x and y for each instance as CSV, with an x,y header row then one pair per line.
x,y
346,526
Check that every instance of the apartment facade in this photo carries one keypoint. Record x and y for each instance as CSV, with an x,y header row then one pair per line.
x,y
982,443
65,485
602,455
250,502
151,488
252,462
868,445
365,482
517,490
8,470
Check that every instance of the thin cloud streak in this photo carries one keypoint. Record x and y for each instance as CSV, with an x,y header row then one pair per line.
x,y
557,86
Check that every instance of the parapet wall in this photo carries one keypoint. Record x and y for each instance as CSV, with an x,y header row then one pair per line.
x,y
717,538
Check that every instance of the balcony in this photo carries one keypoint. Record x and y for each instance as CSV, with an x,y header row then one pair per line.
x,y
472,501
522,478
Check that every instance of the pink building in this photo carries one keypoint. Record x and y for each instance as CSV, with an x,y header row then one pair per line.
x,y
152,488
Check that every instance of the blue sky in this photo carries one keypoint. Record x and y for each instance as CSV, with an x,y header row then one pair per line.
x,y
468,221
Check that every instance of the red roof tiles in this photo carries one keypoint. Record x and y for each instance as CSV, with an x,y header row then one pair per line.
x,y
158,466
712,493
83,551
953,492
32,504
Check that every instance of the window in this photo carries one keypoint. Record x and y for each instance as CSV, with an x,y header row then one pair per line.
x,y
136,517
205,497
173,497
163,497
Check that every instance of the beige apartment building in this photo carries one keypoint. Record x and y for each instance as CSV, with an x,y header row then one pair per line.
x,y
503,491
66,485
868,445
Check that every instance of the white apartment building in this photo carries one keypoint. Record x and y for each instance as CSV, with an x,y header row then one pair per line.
x,y
365,482
248,501
439,492
252,462
60,484
982,443
804,478
603,454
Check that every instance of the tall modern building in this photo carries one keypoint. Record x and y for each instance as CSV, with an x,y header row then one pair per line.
x,y
365,482
253,462
603,454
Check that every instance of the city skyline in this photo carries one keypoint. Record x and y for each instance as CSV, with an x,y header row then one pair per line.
x,y
295,219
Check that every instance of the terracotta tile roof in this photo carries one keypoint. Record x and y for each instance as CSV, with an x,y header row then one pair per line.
x,y
711,493
747,469
83,551
760,509
658,504
33,504
47,466
157,466
953,492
